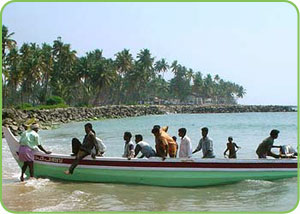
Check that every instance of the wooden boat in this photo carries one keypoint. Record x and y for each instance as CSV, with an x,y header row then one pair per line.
x,y
171,172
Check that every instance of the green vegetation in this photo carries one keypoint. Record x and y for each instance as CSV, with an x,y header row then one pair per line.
x,y
54,100
40,107
24,106
55,75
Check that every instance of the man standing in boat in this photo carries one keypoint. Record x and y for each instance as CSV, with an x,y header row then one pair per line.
x,y
185,149
129,146
206,144
29,140
264,149
231,148
84,149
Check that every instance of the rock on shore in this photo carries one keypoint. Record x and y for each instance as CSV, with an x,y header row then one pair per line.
x,y
50,117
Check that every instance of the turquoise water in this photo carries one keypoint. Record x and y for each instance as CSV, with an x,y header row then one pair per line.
x,y
247,129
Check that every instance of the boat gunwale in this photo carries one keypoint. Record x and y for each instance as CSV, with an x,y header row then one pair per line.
x,y
169,163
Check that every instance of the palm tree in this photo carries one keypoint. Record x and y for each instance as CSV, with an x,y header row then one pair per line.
x,y
158,87
217,78
180,85
81,84
7,42
241,92
64,60
197,83
208,86
161,66
46,65
14,74
124,62
145,60
144,67
190,74
26,67
103,76
175,66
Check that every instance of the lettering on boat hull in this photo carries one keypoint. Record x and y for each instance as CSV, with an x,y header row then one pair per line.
x,y
48,159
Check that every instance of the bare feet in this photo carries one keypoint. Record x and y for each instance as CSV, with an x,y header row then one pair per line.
x,y
67,172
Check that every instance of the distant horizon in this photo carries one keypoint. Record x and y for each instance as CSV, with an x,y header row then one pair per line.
x,y
258,52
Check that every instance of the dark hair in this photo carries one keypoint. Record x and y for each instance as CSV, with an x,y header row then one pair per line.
x,y
128,134
183,130
230,138
139,137
156,126
155,130
174,138
89,125
205,129
274,132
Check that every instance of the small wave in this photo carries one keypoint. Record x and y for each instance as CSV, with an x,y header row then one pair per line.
x,y
17,175
37,183
77,193
259,182
71,203
63,206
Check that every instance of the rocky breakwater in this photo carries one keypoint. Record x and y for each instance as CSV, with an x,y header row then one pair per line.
x,y
49,118
192,109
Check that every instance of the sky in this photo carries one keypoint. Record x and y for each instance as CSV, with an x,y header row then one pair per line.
x,y
251,44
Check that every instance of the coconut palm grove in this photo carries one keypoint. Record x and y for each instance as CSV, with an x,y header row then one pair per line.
x,y
44,74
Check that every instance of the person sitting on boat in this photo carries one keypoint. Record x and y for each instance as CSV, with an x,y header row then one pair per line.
x,y
101,146
172,144
264,149
185,150
129,146
206,144
84,149
76,144
287,151
161,146
143,147
29,141
175,140
164,144
231,148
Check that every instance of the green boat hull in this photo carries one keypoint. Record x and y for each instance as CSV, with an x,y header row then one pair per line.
x,y
157,177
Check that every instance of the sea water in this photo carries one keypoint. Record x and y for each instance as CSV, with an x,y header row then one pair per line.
x,y
247,130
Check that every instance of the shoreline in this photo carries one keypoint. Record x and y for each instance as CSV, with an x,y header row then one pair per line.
x,y
51,118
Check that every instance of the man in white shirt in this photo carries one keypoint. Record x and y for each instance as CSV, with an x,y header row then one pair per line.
x,y
143,147
128,147
185,150
101,146
206,144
